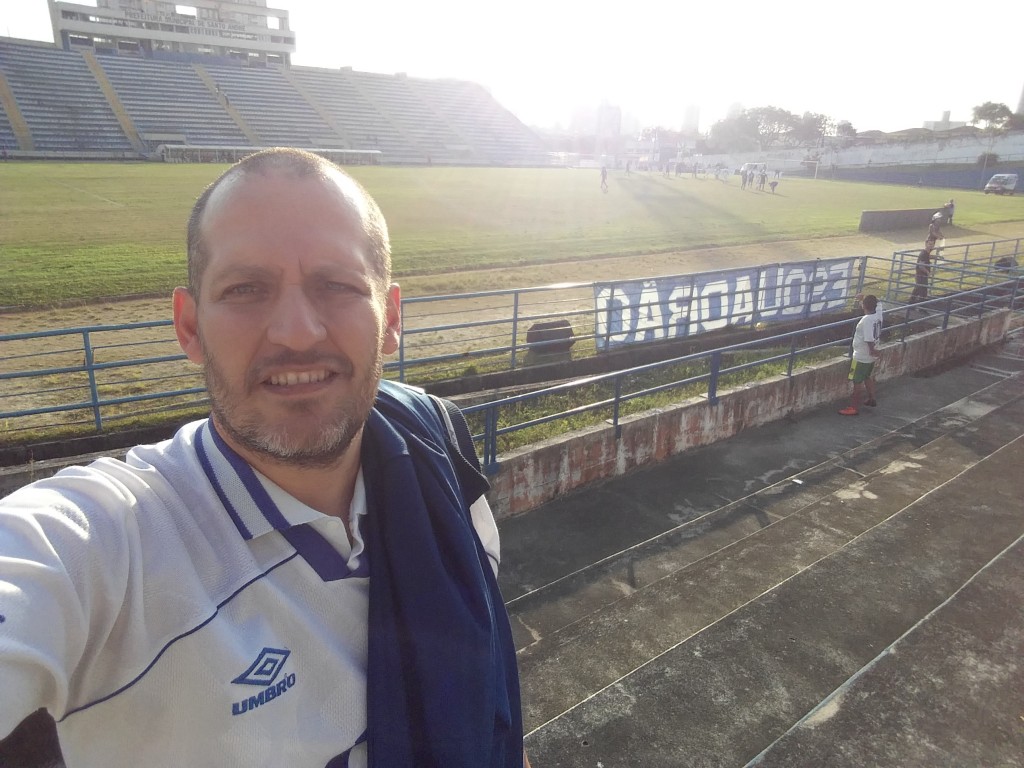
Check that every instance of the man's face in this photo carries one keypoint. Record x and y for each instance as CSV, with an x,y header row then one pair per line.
x,y
291,322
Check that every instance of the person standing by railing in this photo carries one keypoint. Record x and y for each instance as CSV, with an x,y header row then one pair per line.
x,y
922,276
865,354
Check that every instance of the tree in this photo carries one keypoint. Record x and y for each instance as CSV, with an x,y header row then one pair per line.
x,y
845,129
995,116
734,134
771,123
812,127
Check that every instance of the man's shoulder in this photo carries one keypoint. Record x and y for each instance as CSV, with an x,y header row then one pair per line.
x,y
406,405
178,444
394,395
413,409
110,483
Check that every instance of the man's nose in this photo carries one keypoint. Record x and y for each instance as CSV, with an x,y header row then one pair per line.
x,y
295,322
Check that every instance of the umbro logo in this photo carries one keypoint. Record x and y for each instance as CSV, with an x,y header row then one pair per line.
x,y
263,672
265,669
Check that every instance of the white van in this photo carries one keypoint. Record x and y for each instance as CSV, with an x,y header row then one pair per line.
x,y
1002,184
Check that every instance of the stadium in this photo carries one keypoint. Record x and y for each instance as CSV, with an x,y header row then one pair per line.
x,y
141,79
137,80
650,374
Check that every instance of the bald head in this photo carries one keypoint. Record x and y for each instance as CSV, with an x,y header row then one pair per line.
x,y
293,164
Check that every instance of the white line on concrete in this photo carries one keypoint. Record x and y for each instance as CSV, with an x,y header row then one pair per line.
x,y
830,703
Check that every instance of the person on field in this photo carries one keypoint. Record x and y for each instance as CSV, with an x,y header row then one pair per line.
x,y
947,210
865,354
604,179
305,578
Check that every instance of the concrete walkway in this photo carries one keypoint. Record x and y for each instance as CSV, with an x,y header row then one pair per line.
x,y
829,591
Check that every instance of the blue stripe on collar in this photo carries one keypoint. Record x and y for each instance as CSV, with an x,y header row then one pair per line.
x,y
321,556
204,460
252,484
245,498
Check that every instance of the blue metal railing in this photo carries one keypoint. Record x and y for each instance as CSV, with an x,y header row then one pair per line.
x,y
87,365
954,267
900,321
115,365
428,342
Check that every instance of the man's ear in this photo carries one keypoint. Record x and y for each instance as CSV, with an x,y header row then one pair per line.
x,y
186,325
392,319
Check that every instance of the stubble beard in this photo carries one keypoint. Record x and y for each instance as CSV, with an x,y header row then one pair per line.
x,y
333,434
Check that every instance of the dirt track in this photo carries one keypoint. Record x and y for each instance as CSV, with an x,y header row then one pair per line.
x,y
138,310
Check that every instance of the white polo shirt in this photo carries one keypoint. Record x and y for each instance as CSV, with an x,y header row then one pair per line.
x,y
180,609
869,329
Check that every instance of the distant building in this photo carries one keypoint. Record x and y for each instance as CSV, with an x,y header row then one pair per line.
x,y
243,30
944,124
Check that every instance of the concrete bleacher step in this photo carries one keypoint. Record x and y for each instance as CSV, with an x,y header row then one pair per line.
x,y
907,706
570,598
722,660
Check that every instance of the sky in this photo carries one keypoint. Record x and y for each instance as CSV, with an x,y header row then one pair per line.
x,y
880,65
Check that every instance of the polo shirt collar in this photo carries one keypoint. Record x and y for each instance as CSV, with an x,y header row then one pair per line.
x,y
255,504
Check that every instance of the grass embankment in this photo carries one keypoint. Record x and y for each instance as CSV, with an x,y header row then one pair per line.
x,y
85,231
667,377
666,380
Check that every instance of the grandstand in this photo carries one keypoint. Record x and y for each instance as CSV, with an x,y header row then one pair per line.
x,y
59,102
129,79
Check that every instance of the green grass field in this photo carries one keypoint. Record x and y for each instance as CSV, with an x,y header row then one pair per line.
x,y
81,231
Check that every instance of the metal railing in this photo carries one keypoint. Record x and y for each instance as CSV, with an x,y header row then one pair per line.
x,y
437,339
954,267
85,370
498,419
95,375
85,375
89,374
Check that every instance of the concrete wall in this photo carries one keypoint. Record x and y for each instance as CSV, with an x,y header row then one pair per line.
x,y
960,149
538,473
887,221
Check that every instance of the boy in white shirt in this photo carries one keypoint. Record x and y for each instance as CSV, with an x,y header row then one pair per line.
x,y
865,340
